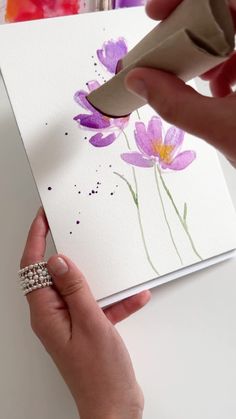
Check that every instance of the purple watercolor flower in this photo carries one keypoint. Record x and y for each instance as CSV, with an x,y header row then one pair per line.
x,y
111,53
129,3
107,129
153,150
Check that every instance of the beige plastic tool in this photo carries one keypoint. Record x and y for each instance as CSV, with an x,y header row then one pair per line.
x,y
196,37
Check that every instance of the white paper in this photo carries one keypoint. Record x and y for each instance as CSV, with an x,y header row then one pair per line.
x,y
43,64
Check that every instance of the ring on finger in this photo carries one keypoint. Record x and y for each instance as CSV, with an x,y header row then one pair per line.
x,y
34,277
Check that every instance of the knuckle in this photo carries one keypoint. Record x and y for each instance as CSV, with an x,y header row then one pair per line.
x,y
37,327
44,331
40,320
168,110
72,286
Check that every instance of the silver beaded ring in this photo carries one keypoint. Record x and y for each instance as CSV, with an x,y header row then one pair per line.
x,y
34,277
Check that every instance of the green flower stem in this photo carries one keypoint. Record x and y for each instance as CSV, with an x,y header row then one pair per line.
x,y
144,242
165,215
182,221
126,139
136,201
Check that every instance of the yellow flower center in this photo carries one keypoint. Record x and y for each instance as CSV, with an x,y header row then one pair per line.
x,y
163,150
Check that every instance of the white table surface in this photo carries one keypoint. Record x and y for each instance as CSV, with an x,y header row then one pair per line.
x,y
183,344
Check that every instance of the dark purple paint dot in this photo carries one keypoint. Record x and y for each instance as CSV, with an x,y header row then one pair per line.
x,y
79,192
90,193
110,165
46,123
66,133
75,186
93,191
96,192
70,232
95,64
92,56
78,222
85,138
112,193
49,188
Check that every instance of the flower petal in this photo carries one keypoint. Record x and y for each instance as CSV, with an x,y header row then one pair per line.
x,y
181,161
120,122
154,129
94,121
137,159
174,137
111,53
80,98
101,57
142,139
129,3
99,141
93,85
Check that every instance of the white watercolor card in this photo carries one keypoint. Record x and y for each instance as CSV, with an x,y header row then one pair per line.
x,y
134,202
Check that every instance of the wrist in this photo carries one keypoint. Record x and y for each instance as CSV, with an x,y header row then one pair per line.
x,y
134,414
128,415
125,415
131,406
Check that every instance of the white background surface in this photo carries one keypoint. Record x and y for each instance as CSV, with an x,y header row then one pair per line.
x,y
183,344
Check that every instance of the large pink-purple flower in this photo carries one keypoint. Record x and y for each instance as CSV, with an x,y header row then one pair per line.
x,y
107,129
111,53
153,149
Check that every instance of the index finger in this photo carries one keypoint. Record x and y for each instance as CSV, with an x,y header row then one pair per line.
x,y
49,315
160,9
41,299
36,241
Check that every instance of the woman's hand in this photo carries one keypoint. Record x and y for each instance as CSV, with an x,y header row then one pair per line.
x,y
213,119
81,338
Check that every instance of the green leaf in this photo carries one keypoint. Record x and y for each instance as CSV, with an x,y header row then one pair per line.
x,y
185,212
134,195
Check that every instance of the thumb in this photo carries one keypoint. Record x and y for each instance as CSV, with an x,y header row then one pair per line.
x,y
74,290
181,105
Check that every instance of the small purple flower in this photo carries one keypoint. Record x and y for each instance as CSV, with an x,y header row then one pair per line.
x,y
153,150
111,53
107,129
129,3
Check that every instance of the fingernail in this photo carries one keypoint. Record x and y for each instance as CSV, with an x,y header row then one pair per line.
x,y
137,86
58,266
